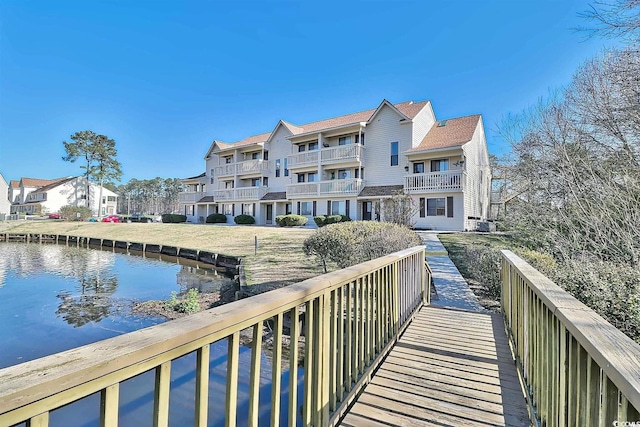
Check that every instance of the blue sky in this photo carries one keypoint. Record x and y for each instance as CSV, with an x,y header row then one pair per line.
x,y
165,78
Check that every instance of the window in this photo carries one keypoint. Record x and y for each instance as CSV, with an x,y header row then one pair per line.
x,y
228,160
104,200
344,174
277,168
228,184
436,207
247,209
211,174
359,173
338,208
394,153
360,139
255,182
422,207
300,177
111,198
440,165
418,167
286,167
344,140
301,148
313,146
306,208
312,177
227,209
265,181
211,180
265,155
287,209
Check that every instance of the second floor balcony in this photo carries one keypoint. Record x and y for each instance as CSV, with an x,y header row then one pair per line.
x,y
238,194
190,196
255,166
432,182
340,154
338,187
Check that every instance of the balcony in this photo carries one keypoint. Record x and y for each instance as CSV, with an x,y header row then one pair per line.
x,y
306,158
187,197
340,154
238,194
433,182
256,166
340,187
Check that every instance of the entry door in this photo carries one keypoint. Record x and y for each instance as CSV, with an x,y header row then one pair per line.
x,y
269,214
366,211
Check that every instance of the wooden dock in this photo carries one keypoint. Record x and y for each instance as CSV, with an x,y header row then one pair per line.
x,y
449,368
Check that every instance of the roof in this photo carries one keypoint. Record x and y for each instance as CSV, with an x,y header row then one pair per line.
x,y
408,108
380,190
197,176
37,182
14,184
206,199
275,195
448,133
54,184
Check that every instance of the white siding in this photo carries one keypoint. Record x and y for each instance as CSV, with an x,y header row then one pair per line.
x,y
279,148
443,223
478,182
385,129
422,122
4,196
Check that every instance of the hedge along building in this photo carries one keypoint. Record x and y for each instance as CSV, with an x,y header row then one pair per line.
x,y
348,165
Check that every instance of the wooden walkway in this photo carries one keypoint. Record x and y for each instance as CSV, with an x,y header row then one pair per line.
x,y
450,368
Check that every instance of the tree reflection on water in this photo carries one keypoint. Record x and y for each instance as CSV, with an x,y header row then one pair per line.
x,y
92,304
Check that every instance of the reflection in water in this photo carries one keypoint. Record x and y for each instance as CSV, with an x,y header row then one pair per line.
x,y
48,290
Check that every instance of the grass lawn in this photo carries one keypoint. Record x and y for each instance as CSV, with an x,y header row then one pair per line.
x,y
279,261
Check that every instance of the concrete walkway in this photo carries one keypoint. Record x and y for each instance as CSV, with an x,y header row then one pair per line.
x,y
453,291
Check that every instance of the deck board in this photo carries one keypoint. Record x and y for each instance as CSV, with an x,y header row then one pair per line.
x,y
450,368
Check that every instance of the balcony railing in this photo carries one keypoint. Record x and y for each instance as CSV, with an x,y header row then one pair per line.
x,y
190,196
434,181
242,168
342,187
243,193
306,158
342,153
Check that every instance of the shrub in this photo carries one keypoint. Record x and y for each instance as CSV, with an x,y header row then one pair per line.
x,y
174,218
244,219
320,220
291,220
70,213
350,243
190,304
215,218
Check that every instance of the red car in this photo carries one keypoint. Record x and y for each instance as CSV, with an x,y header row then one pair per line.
x,y
54,216
112,218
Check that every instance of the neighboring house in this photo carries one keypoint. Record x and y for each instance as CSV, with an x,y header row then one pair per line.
x,y
41,196
348,165
4,197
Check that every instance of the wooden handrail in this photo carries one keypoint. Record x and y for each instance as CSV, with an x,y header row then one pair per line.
x,y
578,368
351,317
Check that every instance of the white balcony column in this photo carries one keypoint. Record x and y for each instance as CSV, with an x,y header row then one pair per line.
x,y
320,148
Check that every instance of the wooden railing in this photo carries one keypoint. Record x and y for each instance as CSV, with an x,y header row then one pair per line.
x,y
435,181
578,369
351,319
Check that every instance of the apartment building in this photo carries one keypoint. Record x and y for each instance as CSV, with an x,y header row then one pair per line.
x,y
39,196
348,165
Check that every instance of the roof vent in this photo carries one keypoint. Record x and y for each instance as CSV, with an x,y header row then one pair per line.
x,y
442,123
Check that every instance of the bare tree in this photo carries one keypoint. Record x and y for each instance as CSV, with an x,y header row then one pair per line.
x,y
614,19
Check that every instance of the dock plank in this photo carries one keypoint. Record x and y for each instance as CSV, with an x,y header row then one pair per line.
x,y
450,367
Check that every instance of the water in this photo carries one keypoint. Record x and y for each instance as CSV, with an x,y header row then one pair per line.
x,y
53,298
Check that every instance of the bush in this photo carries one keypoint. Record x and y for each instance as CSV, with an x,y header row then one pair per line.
x,y
322,220
174,218
244,219
216,218
291,220
188,305
350,243
70,213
